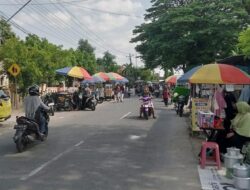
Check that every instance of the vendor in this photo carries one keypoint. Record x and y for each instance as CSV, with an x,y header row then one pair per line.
x,y
240,129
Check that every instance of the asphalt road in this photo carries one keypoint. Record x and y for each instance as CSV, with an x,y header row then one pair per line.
x,y
108,149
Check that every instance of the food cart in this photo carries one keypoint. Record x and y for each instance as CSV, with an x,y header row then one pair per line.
x,y
108,91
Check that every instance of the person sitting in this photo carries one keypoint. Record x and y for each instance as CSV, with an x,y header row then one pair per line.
x,y
240,128
86,93
33,105
146,93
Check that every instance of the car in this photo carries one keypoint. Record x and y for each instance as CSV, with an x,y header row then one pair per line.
x,y
5,105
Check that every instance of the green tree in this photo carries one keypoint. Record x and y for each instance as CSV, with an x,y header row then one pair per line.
x,y
85,56
107,63
244,42
5,31
190,33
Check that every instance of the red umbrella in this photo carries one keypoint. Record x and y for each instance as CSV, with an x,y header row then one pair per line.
x,y
171,79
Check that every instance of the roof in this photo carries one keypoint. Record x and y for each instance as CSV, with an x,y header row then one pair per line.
x,y
239,61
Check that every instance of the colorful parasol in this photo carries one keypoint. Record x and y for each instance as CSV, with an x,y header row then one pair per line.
x,y
103,75
185,78
116,76
171,79
219,74
76,72
95,79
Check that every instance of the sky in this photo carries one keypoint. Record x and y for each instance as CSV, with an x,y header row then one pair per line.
x,y
106,24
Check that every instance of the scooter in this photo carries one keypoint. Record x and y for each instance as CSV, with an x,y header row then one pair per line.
x,y
27,131
146,110
180,105
90,102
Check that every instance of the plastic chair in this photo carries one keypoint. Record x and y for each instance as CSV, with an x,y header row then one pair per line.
x,y
216,154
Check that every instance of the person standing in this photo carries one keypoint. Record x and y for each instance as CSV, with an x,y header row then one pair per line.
x,y
122,92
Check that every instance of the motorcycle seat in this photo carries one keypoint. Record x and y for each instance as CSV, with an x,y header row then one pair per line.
x,y
26,120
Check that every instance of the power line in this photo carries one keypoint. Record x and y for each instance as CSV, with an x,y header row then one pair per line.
x,y
5,17
19,10
90,31
104,11
48,21
80,26
48,3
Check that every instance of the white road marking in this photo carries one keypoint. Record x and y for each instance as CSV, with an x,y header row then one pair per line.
x,y
35,171
125,115
78,144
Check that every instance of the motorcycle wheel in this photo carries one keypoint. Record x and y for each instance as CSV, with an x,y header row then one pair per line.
x,y
181,112
100,101
19,145
145,113
92,106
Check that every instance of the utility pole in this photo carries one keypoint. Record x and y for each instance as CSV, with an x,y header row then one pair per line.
x,y
1,27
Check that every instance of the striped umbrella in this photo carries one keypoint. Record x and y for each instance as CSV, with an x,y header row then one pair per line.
x,y
185,78
95,79
116,76
103,75
76,72
219,74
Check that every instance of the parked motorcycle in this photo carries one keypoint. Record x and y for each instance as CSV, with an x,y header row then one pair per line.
x,y
146,110
89,102
180,105
27,131
64,101
99,99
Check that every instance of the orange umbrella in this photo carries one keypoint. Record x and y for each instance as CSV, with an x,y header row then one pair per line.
x,y
171,79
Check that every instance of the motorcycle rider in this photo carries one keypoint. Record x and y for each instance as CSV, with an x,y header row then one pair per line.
x,y
33,105
86,95
146,93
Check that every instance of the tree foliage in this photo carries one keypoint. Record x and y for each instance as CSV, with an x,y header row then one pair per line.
x,y
39,59
244,42
107,63
185,33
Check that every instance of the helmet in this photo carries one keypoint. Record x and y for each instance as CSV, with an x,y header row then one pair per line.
x,y
34,90
176,94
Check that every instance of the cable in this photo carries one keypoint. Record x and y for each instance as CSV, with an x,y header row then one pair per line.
x,y
19,10
104,11
57,20
18,4
13,23
87,31
91,32
89,38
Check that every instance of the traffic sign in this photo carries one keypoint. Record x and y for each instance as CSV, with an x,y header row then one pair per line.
x,y
14,69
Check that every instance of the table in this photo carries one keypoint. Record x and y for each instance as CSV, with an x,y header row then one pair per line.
x,y
210,132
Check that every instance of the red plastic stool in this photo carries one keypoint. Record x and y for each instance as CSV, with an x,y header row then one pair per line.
x,y
216,154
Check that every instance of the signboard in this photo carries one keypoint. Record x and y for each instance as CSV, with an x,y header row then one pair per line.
x,y
14,69
198,104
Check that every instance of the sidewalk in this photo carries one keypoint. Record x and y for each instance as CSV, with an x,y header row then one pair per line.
x,y
11,121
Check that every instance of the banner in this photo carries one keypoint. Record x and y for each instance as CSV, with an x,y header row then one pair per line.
x,y
198,104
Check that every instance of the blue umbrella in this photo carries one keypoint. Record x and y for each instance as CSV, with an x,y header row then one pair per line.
x,y
185,78
63,71
95,79
124,80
